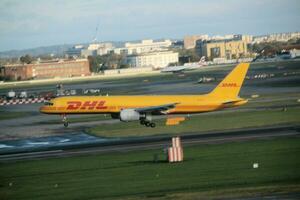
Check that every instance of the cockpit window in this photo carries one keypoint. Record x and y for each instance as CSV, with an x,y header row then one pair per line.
x,y
47,103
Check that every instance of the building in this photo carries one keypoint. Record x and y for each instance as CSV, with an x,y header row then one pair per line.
x,y
146,46
50,69
154,59
105,48
247,38
190,41
86,53
294,53
177,44
97,49
221,37
228,49
121,50
74,51
16,72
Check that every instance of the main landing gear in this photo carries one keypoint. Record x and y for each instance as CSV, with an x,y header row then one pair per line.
x,y
64,120
147,123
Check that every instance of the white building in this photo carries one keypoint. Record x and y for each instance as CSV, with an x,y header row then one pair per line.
x,y
121,50
144,47
96,46
86,53
154,59
295,53
97,49
247,38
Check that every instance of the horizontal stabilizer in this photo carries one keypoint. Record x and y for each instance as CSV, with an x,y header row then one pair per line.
x,y
174,121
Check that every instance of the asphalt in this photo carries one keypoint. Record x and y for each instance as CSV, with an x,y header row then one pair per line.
x,y
36,125
34,128
135,144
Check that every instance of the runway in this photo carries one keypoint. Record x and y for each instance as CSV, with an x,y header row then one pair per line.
x,y
157,142
282,89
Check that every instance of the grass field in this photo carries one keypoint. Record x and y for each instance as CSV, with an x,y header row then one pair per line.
x,y
11,115
86,118
215,170
204,122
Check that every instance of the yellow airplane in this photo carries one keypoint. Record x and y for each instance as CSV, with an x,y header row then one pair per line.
x,y
141,108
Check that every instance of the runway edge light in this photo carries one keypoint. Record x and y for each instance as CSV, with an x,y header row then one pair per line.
x,y
255,165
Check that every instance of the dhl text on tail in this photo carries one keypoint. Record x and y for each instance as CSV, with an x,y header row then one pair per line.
x,y
141,108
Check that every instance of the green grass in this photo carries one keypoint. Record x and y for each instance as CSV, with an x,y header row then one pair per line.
x,y
202,123
11,115
210,170
85,118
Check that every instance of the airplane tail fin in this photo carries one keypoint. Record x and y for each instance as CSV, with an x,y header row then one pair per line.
x,y
232,83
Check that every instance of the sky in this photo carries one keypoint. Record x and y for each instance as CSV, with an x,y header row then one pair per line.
x,y
33,23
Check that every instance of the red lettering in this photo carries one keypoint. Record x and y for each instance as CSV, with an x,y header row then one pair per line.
x,y
101,105
73,105
90,105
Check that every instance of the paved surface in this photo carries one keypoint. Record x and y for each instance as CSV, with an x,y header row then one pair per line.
x,y
155,143
40,125
36,125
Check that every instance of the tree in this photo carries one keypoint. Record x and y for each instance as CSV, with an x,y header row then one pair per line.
x,y
26,59
45,57
124,66
109,61
272,48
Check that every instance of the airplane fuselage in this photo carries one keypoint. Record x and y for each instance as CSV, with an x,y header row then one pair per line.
x,y
114,104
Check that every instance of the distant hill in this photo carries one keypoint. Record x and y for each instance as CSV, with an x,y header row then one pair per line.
x,y
57,50
47,50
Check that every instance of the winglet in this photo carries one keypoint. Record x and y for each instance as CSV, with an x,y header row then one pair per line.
x,y
232,83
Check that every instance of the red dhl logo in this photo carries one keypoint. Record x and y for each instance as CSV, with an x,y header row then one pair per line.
x,y
86,105
229,85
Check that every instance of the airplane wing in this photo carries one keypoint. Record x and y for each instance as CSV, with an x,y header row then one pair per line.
x,y
230,103
156,109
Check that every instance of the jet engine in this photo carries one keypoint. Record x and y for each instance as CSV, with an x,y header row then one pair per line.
x,y
129,115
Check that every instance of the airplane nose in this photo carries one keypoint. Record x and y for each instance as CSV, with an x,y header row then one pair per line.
x,y
42,109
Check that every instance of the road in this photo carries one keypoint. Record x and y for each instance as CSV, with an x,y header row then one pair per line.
x,y
157,142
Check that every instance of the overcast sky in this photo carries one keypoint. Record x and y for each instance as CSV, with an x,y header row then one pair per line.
x,y
31,23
